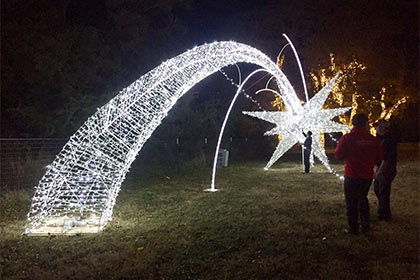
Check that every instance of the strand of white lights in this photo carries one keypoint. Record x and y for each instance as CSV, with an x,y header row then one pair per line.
x,y
324,160
242,90
332,138
334,171
213,178
82,183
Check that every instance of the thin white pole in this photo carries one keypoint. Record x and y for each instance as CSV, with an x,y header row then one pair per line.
x,y
300,66
303,79
303,158
213,177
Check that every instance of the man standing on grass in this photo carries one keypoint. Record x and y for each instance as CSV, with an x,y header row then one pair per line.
x,y
386,171
360,151
307,148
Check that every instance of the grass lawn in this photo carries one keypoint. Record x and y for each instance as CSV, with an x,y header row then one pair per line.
x,y
276,224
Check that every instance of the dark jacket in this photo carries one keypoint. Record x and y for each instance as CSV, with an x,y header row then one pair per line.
x,y
389,146
308,143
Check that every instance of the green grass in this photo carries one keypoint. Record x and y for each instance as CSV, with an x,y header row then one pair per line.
x,y
276,224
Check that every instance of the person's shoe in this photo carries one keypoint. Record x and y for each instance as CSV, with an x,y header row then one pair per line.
x,y
351,231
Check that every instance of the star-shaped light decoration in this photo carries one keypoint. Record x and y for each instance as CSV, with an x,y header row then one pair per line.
x,y
303,118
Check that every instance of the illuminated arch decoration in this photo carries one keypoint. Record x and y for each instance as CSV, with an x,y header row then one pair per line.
x,y
79,189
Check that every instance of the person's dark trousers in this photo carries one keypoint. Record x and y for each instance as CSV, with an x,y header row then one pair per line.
x,y
382,188
355,192
306,156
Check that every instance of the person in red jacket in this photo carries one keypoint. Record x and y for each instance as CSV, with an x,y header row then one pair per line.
x,y
360,151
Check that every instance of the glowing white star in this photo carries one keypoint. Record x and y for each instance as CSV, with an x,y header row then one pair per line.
x,y
310,117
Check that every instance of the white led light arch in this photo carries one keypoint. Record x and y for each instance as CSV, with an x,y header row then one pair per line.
x,y
80,186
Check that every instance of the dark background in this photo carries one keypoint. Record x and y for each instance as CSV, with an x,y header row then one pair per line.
x,y
60,60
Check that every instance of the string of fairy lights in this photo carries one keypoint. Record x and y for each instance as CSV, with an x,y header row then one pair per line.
x,y
348,81
329,168
289,141
242,90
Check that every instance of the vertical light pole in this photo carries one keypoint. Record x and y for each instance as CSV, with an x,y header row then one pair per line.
x,y
303,82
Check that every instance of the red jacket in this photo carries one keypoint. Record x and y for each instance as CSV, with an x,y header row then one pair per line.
x,y
360,151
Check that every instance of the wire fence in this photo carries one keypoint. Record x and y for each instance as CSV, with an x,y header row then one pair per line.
x,y
23,160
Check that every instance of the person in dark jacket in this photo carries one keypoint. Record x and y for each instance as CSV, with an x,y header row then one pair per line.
x,y
360,151
307,148
387,169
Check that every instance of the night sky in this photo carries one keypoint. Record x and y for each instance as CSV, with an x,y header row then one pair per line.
x,y
63,59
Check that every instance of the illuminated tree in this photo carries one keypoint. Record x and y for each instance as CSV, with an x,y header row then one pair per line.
x,y
354,89
346,89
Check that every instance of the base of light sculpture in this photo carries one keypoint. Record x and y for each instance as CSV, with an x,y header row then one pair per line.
x,y
66,226
211,190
